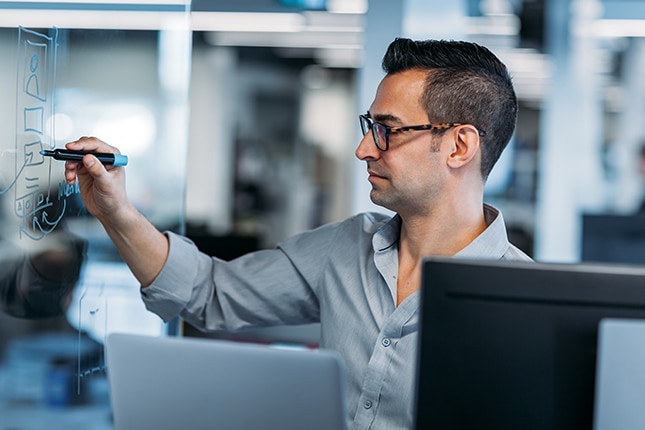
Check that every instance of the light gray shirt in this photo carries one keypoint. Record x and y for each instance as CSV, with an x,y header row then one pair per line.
x,y
342,275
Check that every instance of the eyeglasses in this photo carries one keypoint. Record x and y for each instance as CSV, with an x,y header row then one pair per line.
x,y
381,133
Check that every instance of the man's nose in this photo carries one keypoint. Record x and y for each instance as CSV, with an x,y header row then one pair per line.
x,y
367,147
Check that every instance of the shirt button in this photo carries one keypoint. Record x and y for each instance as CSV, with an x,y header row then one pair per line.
x,y
367,404
386,342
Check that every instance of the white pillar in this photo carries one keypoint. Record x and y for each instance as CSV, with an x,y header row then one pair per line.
x,y
210,153
569,173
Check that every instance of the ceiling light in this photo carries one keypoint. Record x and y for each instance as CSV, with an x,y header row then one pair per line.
x,y
248,21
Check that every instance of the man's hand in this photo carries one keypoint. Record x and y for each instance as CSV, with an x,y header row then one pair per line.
x,y
102,187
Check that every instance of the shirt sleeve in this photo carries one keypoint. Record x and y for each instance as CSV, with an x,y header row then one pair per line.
x,y
262,288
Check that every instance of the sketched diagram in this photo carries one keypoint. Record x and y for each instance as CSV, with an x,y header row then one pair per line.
x,y
33,203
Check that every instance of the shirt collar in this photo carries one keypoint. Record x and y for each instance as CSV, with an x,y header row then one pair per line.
x,y
492,242
388,235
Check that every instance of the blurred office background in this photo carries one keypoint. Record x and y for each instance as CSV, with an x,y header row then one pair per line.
x,y
240,120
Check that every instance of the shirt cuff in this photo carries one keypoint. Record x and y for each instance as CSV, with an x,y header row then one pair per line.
x,y
170,292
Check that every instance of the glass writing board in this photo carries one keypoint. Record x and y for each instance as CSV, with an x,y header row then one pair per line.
x,y
125,81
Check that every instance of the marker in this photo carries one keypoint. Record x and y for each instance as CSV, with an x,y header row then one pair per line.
x,y
71,155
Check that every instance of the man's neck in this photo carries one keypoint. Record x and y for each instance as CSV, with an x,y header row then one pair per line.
x,y
437,235
440,234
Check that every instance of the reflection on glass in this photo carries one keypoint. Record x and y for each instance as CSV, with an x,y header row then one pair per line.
x,y
63,286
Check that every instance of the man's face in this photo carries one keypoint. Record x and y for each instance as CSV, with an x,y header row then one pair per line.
x,y
408,176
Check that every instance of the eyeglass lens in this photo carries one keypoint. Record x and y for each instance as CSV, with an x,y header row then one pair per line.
x,y
379,132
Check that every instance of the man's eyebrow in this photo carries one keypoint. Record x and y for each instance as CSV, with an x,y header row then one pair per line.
x,y
385,118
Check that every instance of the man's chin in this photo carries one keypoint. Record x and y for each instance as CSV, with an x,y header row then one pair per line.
x,y
379,200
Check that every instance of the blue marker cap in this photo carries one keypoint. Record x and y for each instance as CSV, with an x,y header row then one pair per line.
x,y
120,160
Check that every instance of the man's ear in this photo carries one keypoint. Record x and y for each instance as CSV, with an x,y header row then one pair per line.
x,y
465,146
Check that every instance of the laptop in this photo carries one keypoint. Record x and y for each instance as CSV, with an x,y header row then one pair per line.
x,y
170,383
620,377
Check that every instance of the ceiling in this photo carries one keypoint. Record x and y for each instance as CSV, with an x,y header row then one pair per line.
x,y
330,32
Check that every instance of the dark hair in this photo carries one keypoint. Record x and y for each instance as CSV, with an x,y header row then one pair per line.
x,y
466,83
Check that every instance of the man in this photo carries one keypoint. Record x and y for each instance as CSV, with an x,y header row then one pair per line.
x,y
441,117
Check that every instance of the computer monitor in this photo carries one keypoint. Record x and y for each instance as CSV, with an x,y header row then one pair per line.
x,y
512,345
613,238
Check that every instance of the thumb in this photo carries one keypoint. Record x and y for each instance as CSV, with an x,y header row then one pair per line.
x,y
93,165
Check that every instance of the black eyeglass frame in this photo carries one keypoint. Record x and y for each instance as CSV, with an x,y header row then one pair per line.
x,y
368,124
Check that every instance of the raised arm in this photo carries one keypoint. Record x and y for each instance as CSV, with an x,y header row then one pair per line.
x,y
142,246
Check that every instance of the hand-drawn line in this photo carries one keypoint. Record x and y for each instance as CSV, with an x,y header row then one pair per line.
x,y
37,226
32,85
36,78
31,186
93,311
67,190
92,370
34,119
57,220
14,180
25,203
32,153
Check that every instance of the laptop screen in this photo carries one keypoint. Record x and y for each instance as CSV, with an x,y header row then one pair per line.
x,y
173,383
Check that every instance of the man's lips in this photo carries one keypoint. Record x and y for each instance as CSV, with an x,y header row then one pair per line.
x,y
374,175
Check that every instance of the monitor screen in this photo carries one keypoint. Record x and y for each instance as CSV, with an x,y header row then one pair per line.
x,y
613,238
512,345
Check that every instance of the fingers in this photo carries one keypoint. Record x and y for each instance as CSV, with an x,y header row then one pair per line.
x,y
95,168
94,144
70,172
90,164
